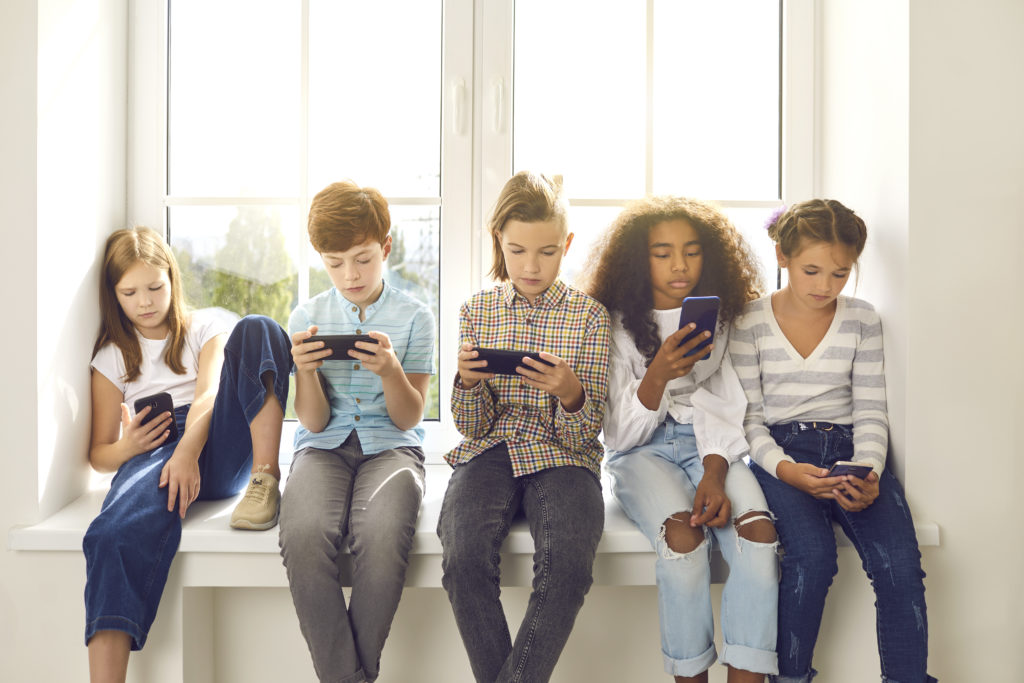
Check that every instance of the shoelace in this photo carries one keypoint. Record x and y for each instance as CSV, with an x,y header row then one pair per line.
x,y
258,490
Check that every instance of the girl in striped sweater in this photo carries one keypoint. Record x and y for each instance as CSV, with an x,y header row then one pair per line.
x,y
811,364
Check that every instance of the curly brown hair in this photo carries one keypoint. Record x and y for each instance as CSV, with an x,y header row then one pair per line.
x,y
619,274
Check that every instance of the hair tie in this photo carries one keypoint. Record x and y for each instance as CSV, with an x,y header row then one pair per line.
x,y
774,217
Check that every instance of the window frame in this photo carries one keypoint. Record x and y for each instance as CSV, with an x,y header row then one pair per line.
x,y
476,145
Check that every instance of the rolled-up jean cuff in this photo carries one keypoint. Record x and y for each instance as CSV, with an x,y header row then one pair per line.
x,y
793,679
750,659
692,666
122,624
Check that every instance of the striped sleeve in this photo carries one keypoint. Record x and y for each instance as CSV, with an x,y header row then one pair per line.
x,y
745,356
870,412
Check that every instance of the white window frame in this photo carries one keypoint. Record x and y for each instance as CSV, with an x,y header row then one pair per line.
x,y
476,144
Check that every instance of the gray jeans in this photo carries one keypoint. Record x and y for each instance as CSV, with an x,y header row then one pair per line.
x,y
370,501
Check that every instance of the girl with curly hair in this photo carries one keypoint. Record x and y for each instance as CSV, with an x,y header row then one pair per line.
x,y
674,431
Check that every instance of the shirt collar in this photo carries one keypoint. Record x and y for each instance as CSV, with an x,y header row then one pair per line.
x,y
549,298
347,305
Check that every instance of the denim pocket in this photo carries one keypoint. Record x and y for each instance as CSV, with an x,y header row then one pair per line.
x,y
786,439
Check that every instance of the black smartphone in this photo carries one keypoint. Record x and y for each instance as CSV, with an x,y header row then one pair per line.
x,y
702,310
339,344
159,404
856,469
505,361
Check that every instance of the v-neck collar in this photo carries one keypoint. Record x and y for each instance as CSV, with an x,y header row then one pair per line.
x,y
822,343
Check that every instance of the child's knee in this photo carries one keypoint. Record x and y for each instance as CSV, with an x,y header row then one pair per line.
x,y
756,526
680,537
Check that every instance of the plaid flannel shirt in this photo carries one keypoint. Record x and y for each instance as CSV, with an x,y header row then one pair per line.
x,y
538,431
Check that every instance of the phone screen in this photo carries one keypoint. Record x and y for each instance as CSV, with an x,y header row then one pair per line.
x,y
702,310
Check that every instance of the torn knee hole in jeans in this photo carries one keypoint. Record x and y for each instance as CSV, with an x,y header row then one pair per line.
x,y
757,527
677,540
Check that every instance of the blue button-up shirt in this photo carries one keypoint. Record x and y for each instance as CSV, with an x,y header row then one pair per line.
x,y
356,395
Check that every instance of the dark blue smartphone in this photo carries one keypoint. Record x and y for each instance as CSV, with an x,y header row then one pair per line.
x,y
339,344
851,468
159,404
702,310
505,361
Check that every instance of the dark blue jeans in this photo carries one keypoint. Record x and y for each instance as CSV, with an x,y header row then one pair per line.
x,y
565,511
883,535
130,545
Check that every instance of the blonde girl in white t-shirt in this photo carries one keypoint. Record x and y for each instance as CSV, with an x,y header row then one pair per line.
x,y
227,392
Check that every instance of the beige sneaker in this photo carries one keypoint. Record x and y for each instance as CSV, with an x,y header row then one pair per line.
x,y
259,506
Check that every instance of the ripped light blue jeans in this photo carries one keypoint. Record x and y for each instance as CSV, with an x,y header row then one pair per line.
x,y
884,537
659,479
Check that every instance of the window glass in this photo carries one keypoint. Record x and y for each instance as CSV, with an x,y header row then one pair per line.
x,y
375,95
579,93
242,258
233,122
716,99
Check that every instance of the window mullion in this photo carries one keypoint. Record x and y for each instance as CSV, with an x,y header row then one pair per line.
x,y
649,119
302,257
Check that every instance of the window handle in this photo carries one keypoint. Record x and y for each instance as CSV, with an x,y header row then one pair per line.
x,y
458,95
498,102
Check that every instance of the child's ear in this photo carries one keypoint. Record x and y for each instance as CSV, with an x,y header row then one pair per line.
x,y
568,241
783,261
387,247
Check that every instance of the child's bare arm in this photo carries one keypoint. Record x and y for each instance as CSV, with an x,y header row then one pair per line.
x,y
311,405
116,436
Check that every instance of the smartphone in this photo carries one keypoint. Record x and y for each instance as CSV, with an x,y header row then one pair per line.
x,y
159,404
702,310
339,344
505,361
856,469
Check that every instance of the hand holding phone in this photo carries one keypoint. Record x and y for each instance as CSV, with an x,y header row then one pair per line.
x,y
158,405
702,311
340,344
505,361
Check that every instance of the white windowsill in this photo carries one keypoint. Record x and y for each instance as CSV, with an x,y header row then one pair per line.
x,y
213,554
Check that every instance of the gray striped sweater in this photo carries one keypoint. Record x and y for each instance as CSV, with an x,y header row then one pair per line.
x,y
842,381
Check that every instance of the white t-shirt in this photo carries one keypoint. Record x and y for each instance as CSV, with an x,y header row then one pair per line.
x,y
155,376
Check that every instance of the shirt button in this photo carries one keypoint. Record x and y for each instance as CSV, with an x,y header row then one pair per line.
x,y
357,366
357,418
359,400
355,308
359,331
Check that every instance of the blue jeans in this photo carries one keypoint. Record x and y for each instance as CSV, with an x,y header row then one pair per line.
x,y
565,511
883,535
371,502
130,545
654,481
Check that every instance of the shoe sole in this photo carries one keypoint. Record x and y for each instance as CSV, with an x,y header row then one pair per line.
x,y
250,526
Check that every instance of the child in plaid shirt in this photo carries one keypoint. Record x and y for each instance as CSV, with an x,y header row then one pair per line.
x,y
531,440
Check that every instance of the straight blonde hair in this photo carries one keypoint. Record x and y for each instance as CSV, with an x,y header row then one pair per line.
x,y
124,249
530,198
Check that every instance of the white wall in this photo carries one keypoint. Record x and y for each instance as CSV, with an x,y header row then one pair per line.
x,y
62,190
921,104
966,369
